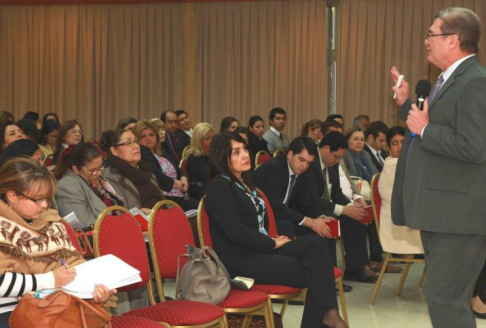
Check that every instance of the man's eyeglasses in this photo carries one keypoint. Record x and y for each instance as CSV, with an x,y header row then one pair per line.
x,y
94,171
36,201
431,35
128,143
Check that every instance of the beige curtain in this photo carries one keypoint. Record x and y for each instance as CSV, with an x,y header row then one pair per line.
x,y
95,63
253,56
374,35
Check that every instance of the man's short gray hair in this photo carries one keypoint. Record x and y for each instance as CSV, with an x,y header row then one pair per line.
x,y
465,24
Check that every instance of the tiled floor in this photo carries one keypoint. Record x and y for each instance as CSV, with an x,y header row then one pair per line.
x,y
389,310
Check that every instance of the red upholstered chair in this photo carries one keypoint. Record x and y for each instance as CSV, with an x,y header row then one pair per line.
x,y
121,236
261,157
409,259
169,232
72,236
49,160
279,152
116,321
124,321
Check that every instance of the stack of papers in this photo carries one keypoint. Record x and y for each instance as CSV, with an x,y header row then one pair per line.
x,y
107,270
73,220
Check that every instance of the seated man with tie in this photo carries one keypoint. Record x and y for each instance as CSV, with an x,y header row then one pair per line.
x,y
375,136
175,140
324,194
280,180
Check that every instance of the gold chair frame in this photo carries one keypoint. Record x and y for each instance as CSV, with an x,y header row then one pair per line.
x,y
258,155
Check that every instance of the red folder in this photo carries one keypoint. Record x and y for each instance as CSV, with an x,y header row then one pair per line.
x,y
370,217
335,228
142,221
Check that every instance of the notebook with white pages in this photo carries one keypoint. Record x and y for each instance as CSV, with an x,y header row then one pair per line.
x,y
107,270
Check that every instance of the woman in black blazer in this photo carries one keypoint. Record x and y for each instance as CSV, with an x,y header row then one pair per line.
x,y
238,224
256,128
197,159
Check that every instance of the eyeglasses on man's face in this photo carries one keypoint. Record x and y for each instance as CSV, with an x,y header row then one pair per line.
x,y
431,35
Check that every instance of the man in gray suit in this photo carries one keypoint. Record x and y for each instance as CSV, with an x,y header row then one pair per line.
x,y
440,183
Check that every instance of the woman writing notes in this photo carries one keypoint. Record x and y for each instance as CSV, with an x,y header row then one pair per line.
x,y
32,239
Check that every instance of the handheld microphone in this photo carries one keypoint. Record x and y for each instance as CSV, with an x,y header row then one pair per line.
x,y
422,89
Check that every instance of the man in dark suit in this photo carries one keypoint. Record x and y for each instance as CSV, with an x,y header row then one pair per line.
x,y
175,140
323,193
281,181
375,136
441,172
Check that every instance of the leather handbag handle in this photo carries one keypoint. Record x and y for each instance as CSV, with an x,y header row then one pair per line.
x,y
217,260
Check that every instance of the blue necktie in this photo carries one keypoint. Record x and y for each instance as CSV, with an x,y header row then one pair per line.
x,y
291,187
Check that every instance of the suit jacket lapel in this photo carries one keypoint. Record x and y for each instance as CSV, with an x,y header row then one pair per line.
x,y
450,81
245,199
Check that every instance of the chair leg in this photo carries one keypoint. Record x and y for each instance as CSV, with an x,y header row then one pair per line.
x,y
284,306
422,278
404,276
246,321
224,322
339,284
380,278
341,250
268,313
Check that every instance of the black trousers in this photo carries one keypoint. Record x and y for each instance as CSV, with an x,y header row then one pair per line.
x,y
353,234
376,252
304,262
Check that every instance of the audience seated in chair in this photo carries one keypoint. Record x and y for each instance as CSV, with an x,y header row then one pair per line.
x,y
256,128
238,225
275,137
171,179
395,239
229,124
375,145
184,122
197,159
21,147
70,133
26,188
80,187
131,177
47,138
312,129
175,140
9,132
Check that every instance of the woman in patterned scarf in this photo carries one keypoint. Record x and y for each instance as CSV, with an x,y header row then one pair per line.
x,y
33,241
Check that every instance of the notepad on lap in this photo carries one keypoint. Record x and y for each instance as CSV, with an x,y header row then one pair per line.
x,y
107,270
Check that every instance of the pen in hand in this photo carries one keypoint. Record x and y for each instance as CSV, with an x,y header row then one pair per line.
x,y
64,264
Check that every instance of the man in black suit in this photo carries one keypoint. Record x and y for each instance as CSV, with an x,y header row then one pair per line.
x,y
323,193
281,181
175,140
375,136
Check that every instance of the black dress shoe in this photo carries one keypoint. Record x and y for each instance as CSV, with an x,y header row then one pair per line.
x,y
362,274
480,315
346,288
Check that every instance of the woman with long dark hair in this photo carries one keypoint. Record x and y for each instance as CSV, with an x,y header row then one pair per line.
x,y
238,224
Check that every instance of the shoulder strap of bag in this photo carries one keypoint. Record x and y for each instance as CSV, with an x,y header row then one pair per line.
x,y
187,276
217,260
